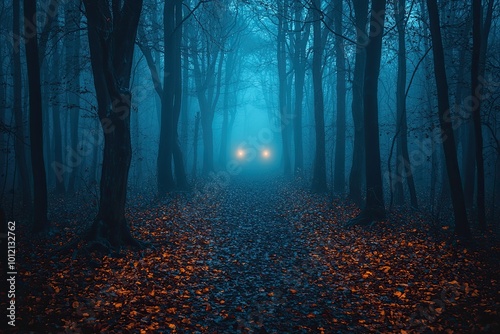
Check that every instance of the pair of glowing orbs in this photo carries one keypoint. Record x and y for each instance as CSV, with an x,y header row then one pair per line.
x,y
265,154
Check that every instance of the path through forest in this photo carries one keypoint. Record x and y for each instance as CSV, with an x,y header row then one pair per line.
x,y
260,255
267,268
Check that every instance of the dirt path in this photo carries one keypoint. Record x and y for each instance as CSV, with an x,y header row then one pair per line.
x,y
266,271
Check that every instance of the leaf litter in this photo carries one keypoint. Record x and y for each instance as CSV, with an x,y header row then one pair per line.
x,y
261,257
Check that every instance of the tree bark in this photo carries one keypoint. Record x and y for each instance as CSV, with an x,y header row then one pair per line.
x,y
111,45
455,183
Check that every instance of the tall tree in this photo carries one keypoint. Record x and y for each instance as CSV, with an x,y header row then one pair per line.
x,y
169,148
319,172
111,32
476,113
356,174
301,34
455,183
283,85
19,142
72,19
374,209
56,119
339,174
40,219
403,164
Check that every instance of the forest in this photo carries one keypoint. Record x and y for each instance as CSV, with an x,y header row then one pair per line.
x,y
250,166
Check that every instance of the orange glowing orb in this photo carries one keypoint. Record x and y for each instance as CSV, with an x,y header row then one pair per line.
x,y
266,154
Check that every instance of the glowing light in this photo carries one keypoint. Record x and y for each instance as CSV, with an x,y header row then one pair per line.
x,y
266,154
240,153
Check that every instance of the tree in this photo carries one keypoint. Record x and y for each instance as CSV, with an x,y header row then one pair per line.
x,y
111,32
476,114
448,139
356,174
40,219
374,208
19,144
319,172
403,164
283,85
208,60
339,174
72,19
171,101
301,34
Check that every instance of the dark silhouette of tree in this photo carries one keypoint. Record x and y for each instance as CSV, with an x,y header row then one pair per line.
x,y
299,61
72,18
448,138
319,172
40,219
374,208
339,173
283,85
403,164
112,31
476,114
356,174
19,142
171,98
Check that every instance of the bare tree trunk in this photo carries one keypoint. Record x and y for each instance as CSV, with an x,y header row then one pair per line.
x,y
339,174
112,48
41,222
356,174
403,163
19,144
195,144
319,172
476,115
374,209
73,45
455,183
282,82
56,117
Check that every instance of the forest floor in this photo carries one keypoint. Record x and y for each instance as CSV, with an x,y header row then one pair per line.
x,y
259,256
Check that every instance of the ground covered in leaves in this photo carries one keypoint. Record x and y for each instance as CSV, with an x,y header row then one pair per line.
x,y
259,257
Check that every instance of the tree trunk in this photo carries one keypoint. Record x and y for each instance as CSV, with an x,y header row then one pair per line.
x,y
282,82
41,222
112,48
455,183
476,113
56,117
356,174
339,174
19,142
73,45
403,163
319,173
195,144
374,209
